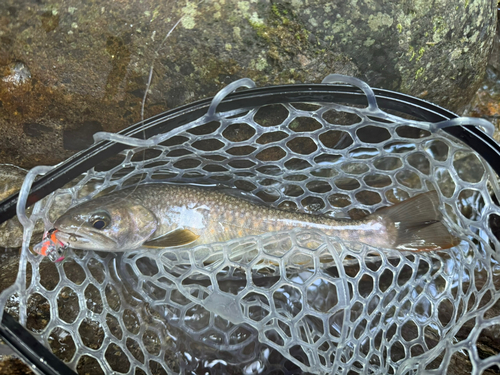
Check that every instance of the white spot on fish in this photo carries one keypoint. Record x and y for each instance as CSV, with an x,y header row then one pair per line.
x,y
192,216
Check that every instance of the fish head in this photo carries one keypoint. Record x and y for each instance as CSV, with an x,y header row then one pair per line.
x,y
107,224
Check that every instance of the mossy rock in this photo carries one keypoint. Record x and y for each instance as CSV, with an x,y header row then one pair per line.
x,y
71,68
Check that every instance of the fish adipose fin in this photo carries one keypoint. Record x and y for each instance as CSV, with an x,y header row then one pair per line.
x,y
417,224
177,237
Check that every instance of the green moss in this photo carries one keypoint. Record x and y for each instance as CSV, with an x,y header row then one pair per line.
x,y
49,21
280,14
214,68
275,10
287,44
399,27
419,73
156,12
260,64
279,30
420,53
260,28
411,52
291,75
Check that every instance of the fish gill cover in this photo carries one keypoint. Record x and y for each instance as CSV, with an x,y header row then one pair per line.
x,y
286,302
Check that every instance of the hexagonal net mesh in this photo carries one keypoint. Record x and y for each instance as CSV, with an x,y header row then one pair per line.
x,y
290,302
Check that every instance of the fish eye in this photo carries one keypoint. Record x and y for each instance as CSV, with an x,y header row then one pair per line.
x,y
98,224
100,221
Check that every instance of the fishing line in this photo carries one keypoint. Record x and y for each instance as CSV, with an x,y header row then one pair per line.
x,y
148,86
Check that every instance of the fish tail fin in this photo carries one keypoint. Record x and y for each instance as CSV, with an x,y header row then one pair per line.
x,y
417,224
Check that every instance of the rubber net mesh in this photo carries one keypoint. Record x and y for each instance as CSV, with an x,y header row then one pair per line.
x,y
281,302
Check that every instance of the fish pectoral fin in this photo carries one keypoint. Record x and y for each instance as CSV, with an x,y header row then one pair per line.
x,y
177,237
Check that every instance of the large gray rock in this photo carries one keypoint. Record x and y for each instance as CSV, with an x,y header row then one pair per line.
x,y
70,68
433,49
495,53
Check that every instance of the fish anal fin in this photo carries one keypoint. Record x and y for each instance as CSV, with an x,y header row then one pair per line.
x,y
177,237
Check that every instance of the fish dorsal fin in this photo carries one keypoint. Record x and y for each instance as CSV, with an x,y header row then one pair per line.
x,y
177,237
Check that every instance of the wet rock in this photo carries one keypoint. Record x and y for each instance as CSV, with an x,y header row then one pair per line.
x,y
11,231
76,62
80,136
13,366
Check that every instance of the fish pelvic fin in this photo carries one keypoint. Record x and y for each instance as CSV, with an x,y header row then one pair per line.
x,y
417,224
178,237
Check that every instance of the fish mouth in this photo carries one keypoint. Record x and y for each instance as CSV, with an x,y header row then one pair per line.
x,y
96,241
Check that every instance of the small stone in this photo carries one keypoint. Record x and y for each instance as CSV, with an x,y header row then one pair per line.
x,y
18,74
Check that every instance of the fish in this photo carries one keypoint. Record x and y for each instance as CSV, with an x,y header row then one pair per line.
x,y
170,216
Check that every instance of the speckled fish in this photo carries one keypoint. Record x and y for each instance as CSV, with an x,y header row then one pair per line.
x,y
162,215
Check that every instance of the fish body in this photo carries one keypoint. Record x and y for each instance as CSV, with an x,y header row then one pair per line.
x,y
163,215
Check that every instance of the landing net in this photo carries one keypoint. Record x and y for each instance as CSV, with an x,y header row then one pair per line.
x,y
282,302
